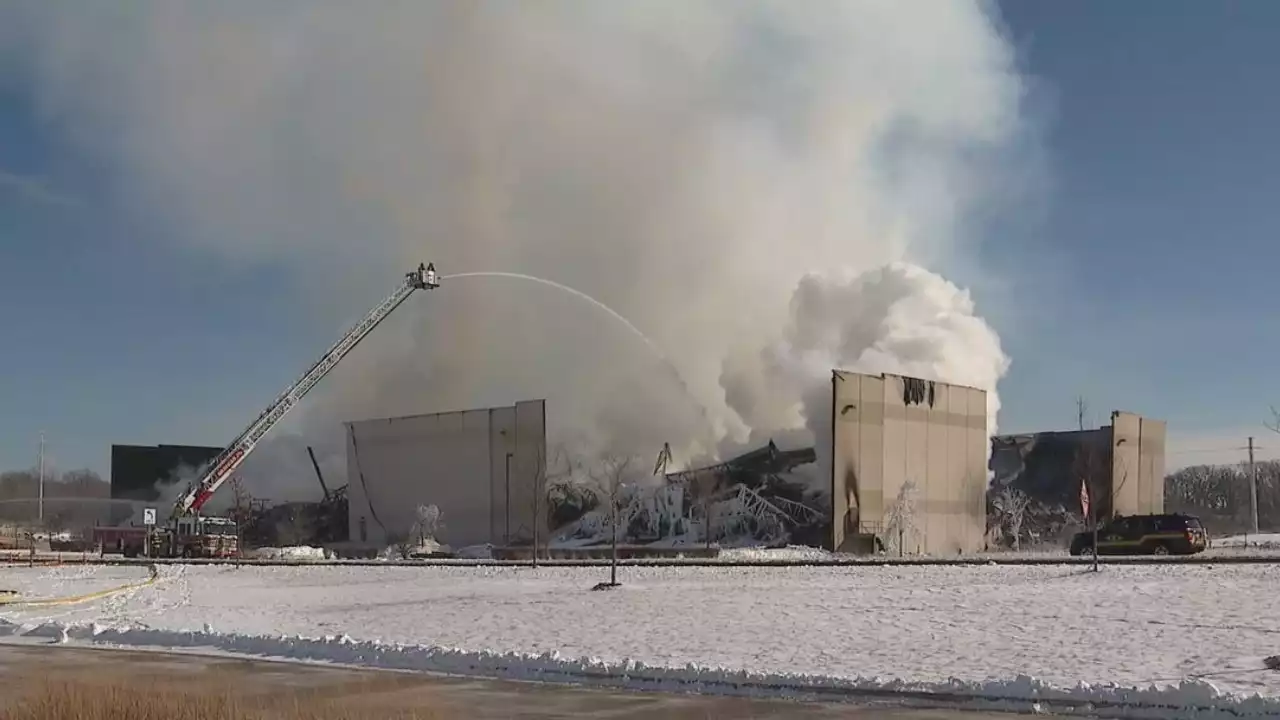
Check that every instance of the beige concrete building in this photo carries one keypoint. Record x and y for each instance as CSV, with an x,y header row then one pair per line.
x,y
1137,464
480,467
889,430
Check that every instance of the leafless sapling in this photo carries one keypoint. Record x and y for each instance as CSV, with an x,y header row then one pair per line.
x,y
609,473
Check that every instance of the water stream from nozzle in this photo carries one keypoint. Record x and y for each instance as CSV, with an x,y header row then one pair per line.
x,y
662,357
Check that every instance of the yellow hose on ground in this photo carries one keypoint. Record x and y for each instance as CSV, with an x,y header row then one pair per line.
x,y
9,598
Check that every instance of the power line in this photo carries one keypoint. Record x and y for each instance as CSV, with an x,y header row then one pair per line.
x,y
1211,449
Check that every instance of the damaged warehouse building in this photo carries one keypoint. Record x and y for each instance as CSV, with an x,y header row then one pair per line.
x,y
908,465
759,494
912,471
1123,463
895,440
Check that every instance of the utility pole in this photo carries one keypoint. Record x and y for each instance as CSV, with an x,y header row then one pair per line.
x,y
40,481
1253,489
1091,512
539,474
506,533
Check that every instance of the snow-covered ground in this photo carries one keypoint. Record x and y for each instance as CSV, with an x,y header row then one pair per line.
x,y
1264,541
66,580
1133,626
791,553
292,553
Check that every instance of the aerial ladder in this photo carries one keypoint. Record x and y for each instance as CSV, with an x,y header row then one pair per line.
x,y
222,466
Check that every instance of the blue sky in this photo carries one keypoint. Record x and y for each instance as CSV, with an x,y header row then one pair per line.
x,y
1164,163
1157,222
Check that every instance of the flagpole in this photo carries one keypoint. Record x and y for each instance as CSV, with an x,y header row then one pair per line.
x,y
1086,505
1093,511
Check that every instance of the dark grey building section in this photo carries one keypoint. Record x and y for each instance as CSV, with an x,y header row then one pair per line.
x,y
139,471
1049,466
1123,464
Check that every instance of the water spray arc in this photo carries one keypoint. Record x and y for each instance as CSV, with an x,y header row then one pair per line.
x,y
662,357
576,293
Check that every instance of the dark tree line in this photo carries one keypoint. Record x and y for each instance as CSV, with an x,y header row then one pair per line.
x,y
1219,495
68,497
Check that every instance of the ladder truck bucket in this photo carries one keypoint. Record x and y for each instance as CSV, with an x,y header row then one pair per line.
x,y
425,277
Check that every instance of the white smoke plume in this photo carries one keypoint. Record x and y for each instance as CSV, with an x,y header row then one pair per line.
x,y
898,319
687,163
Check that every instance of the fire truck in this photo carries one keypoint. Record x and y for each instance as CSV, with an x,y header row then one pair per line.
x,y
194,536
189,534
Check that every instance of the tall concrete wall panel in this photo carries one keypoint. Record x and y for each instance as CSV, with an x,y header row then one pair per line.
x,y
973,495
1126,479
1153,448
502,442
1137,466
395,465
530,466
889,430
457,461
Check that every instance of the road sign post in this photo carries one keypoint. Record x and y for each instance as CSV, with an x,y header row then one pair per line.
x,y
148,519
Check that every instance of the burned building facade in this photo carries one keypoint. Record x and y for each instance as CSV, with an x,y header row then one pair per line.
x,y
908,464
1122,465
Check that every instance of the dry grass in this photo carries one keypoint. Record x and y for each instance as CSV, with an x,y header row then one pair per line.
x,y
90,700
93,685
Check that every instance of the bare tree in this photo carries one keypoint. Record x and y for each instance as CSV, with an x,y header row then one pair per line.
x,y
1085,468
1221,497
900,520
1274,423
82,483
399,546
553,467
241,508
427,523
609,474
1013,505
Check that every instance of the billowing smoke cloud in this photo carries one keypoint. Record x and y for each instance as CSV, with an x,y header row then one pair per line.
x,y
687,163
898,318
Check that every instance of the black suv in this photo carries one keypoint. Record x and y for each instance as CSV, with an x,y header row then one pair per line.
x,y
1145,535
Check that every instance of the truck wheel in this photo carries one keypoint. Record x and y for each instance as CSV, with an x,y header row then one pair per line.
x,y
1160,549
186,553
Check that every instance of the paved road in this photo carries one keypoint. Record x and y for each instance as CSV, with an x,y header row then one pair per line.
x,y
386,691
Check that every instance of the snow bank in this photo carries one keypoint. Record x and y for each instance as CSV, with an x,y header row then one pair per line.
x,y
298,552
475,552
792,553
1190,699
427,548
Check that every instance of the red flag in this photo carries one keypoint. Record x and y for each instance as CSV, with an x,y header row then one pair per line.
x,y
1084,498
